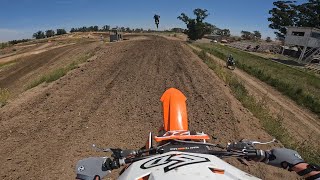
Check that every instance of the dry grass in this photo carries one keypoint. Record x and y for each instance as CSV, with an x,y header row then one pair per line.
x,y
7,64
60,72
4,96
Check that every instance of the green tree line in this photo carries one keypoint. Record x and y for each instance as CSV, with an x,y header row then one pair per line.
x,y
105,28
48,33
255,35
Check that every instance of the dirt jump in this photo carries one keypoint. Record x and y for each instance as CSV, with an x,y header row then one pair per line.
x,y
113,101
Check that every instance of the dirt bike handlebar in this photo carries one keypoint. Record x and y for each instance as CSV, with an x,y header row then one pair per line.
x,y
242,149
104,165
91,167
253,154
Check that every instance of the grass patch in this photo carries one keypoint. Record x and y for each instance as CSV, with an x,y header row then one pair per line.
x,y
72,66
52,76
272,125
84,58
4,96
58,73
6,64
301,86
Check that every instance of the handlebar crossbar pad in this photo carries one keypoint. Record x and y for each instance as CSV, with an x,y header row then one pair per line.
x,y
90,167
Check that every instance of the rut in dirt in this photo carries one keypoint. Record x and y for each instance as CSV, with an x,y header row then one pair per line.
x,y
112,101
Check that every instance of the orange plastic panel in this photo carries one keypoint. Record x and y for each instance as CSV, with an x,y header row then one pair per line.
x,y
181,137
174,110
217,171
144,178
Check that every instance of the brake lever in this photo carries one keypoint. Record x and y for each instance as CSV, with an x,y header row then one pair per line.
x,y
101,149
257,142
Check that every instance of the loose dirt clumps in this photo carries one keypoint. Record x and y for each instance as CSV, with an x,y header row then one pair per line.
x,y
114,100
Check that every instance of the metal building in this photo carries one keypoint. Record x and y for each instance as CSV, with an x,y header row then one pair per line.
x,y
115,35
307,40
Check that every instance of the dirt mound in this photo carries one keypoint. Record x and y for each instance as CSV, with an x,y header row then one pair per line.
x,y
113,101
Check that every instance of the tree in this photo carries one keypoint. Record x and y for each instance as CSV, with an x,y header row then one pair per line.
x,y
106,28
177,30
128,30
83,29
224,32
196,28
268,39
308,14
201,14
257,35
92,28
217,31
123,29
61,31
209,28
246,35
73,30
17,41
95,28
138,30
38,35
288,13
50,33
281,16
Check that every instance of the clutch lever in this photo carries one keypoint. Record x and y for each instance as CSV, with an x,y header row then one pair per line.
x,y
257,142
245,145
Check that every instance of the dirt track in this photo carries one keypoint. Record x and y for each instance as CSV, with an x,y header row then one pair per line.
x,y
32,66
38,50
113,101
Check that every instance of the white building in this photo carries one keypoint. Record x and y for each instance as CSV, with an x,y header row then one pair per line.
x,y
306,39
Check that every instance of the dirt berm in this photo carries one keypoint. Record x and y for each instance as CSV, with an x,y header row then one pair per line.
x,y
113,101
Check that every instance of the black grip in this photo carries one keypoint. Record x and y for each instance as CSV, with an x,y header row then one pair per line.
x,y
255,155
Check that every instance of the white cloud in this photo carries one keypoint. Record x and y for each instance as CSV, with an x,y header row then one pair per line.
x,y
11,34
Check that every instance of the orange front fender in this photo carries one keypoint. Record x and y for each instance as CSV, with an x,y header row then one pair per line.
x,y
174,110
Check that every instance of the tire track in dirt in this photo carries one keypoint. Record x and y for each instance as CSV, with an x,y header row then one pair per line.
x,y
114,101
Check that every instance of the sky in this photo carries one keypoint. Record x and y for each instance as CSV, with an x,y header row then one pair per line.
x,y
21,18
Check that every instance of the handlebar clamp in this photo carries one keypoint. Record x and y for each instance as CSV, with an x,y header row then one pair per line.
x,y
110,164
239,146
